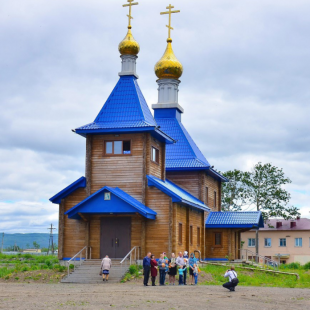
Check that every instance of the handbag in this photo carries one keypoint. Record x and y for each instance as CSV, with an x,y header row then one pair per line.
x,y
100,273
235,280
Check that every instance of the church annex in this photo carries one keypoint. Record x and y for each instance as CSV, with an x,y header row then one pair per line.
x,y
146,182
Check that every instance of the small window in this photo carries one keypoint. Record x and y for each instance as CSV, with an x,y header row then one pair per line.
x,y
298,242
117,147
180,233
214,199
155,155
198,236
107,196
207,195
251,242
267,242
191,235
282,242
218,239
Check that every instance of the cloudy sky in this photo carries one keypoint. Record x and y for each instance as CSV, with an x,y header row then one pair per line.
x,y
245,88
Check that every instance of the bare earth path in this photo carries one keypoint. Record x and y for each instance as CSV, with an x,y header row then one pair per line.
x,y
128,296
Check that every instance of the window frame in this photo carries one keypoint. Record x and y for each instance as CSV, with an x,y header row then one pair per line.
x,y
207,195
267,246
214,239
215,198
180,233
282,246
105,154
299,245
198,235
156,154
252,239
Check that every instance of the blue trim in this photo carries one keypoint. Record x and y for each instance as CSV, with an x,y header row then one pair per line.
x,y
80,183
250,220
216,259
120,203
177,193
77,259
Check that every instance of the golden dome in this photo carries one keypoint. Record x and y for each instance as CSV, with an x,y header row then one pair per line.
x,y
129,46
168,67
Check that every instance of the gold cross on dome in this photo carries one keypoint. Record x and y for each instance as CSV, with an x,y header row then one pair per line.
x,y
130,4
169,12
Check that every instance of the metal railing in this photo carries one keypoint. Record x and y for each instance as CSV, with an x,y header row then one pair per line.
x,y
75,257
259,258
133,256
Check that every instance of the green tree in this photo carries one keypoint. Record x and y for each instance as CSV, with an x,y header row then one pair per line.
x,y
265,191
234,192
36,245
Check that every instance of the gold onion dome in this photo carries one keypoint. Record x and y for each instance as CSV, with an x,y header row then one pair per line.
x,y
129,46
168,67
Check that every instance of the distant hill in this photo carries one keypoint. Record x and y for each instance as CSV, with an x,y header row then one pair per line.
x,y
26,240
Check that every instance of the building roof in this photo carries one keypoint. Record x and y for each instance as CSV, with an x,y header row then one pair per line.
x,y
252,219
301,224
120,203
176,193
80,183
125,111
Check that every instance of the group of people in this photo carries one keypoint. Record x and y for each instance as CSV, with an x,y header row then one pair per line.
x,y
171,266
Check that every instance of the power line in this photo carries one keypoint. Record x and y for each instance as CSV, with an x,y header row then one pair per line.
x,y
51,241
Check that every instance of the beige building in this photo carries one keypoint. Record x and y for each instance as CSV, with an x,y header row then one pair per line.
x,y
284,240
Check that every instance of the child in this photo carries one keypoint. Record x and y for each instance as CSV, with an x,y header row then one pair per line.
x,y
181,270
196,273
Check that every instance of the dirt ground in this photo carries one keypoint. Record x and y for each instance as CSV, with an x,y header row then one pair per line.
x,y
127,296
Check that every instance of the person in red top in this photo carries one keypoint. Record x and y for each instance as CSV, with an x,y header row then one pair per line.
x,y
153,269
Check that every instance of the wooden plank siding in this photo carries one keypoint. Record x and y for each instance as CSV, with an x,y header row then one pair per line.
x,y
74,230
213,186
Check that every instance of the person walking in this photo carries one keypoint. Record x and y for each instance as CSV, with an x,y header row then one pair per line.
x,y
146,268
105,267
233,280
153,269
162,269
192,261
172,269
185,256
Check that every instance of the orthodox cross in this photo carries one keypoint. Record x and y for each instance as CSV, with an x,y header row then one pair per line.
x,y
131,3
169,12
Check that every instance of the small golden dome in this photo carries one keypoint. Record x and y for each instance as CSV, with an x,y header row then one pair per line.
x,y
168,67
129,46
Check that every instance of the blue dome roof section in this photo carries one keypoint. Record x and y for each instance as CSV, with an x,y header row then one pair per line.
x,y
184,154
125,110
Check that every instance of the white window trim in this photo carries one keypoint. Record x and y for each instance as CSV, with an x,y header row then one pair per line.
x,y
251,246
282,246
267,246
298,246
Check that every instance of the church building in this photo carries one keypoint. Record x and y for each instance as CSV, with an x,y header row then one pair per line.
x,y
146,182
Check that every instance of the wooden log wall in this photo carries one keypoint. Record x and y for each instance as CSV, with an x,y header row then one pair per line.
x,y
73,230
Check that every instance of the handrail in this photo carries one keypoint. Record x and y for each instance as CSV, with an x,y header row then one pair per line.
x,y
137,257
199,254
74,257
273,263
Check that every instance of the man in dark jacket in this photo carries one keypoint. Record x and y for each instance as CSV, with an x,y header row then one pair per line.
x,y
146,268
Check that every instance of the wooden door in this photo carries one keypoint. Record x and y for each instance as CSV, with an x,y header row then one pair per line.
x,y
115,239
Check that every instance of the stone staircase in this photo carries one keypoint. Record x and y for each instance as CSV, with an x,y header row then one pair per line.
x,y
88,272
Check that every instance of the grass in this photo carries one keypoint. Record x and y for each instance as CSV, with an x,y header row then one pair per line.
x,y
19,263
256,278
134,271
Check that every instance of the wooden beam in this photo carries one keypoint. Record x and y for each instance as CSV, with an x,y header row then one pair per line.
x,y
61,226
163,161
187,244
88,164
170,237
84,218
144,171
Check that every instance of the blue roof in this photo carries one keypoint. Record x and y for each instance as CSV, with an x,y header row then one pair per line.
x,y
176,193
125,111
80,183
253,219
120,203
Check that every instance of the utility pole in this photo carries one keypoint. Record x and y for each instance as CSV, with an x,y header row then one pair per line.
x,y
2,242
51,242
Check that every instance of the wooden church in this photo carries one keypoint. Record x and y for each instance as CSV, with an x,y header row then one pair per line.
x,y
146,182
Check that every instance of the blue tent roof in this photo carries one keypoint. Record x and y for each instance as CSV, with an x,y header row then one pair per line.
x,y
125,111
120,203
253,219
176,193
80,183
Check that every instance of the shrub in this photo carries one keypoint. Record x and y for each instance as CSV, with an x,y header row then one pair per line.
x,y
307,266
25,269
133,269
293,266
71,266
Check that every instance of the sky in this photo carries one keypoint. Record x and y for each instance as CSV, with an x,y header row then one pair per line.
x,y
245,89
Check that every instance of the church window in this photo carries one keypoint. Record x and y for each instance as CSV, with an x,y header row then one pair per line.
x,y
191,235
198,235
207,195
107,196
155,155
214,199
180,233
217,239
117,147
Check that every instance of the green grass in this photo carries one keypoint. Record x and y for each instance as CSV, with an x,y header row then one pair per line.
x,y
134,271
26,262
257,278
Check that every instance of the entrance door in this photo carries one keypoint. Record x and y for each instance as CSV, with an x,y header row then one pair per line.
x,y
115,238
